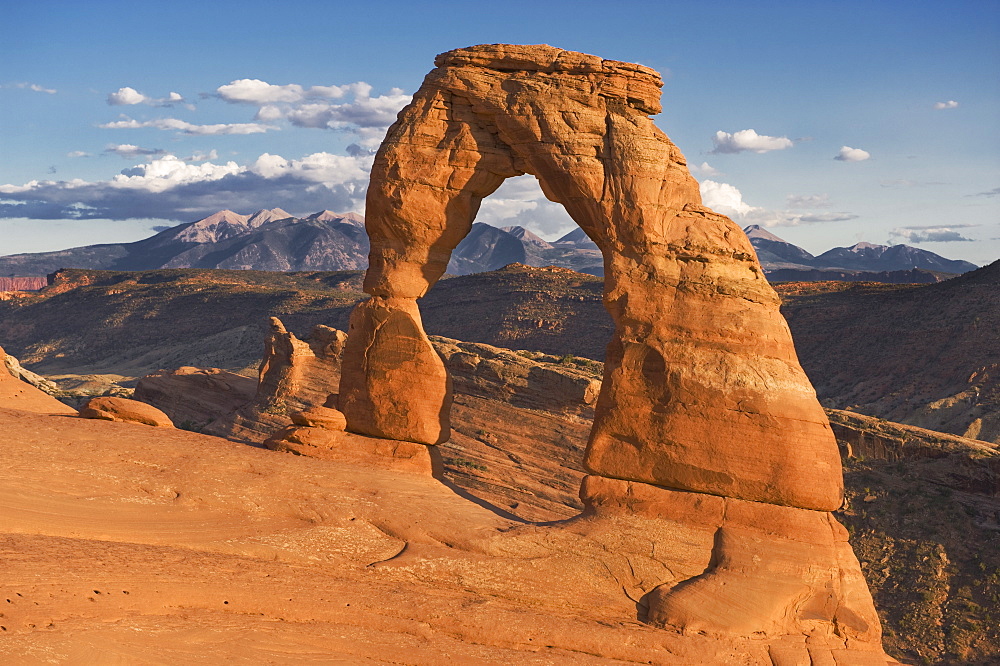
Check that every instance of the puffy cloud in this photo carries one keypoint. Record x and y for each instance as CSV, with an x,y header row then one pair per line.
x,y
704,169
255,91
725,198
126,96
363,112
190,128
950,104
129,151
355,108
808,201
748,139
927,234
170,188
728,200
848,154
130,96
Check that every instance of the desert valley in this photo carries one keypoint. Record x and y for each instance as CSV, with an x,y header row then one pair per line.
x,y
411,438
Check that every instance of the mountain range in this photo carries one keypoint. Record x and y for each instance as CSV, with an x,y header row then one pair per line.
x,y
274,240
776,254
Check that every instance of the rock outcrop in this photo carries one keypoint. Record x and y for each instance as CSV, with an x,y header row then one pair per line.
x,y
704,411
195,398
110,408
296,374
22,395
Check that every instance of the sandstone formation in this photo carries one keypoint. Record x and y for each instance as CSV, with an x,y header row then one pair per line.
x,y
18,394
701,363
294,373
109,408
15,368
195,398
704,412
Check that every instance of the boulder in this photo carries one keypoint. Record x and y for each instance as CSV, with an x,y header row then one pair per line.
x,y
196,398
320,417
109,408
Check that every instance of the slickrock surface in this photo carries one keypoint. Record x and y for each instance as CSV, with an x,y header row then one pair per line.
x,y
120,547
516,416
701,363
109,408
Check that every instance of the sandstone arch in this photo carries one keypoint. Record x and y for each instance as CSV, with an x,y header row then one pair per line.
x,y
705,419
703,391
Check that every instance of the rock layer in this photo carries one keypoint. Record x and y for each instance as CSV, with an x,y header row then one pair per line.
x,y
702,389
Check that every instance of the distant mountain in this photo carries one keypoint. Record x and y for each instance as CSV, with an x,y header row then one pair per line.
x,y
274,240
270,240
488,248
577,238
869,257
774,252
782,260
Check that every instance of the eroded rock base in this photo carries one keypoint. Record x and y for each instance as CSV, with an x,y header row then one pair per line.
x,y
769,570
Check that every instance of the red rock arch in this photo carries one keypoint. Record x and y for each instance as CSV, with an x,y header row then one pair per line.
x,y
702,391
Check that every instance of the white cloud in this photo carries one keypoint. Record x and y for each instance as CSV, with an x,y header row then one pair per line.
x,y
848,154
704,169
255,91
808,201
77,153
929,234
129,151
170,188
728,200
312,107
31,86
190,128
950,104
363,112
519,201
199,156
725,198
130,96
748,139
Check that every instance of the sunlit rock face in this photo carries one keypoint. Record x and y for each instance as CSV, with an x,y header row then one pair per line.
x,y
703,390
704,419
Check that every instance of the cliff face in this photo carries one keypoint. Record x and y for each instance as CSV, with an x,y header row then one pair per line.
x,y
22,283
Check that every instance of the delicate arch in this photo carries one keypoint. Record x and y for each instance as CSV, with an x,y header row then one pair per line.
x,y
702,388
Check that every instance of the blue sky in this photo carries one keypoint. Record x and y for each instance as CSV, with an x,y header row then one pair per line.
x,y
120,117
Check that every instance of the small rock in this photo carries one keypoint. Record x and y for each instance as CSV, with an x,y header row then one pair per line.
x,y
320,417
